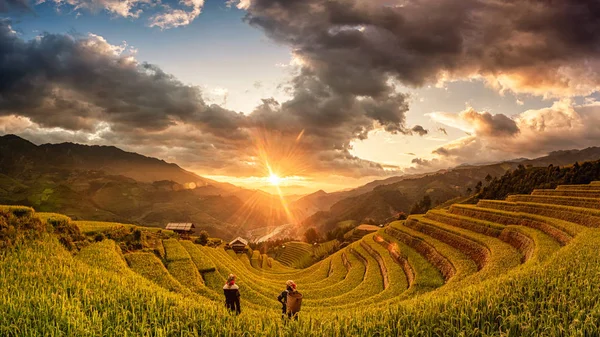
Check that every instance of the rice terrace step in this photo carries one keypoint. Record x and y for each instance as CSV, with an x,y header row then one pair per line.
x,y
428,255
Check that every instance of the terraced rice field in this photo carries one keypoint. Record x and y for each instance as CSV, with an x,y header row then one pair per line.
x,y
527,266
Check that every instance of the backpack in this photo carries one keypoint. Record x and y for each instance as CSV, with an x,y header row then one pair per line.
x,y
294,302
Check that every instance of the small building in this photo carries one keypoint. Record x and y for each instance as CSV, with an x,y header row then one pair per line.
x,y
183,229
238,245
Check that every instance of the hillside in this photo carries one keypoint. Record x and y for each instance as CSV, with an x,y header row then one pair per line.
x,y
108,184
524,180
515,268
384,199
17,153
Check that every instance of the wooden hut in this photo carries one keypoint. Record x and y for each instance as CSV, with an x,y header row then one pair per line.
x,y
183,229
238,245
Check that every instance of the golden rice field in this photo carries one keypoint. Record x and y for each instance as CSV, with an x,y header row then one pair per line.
x,y
527,266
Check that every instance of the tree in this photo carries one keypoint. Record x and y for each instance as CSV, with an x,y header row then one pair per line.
x,y
478,187
469,191
422,206
488,178
311,235
202,238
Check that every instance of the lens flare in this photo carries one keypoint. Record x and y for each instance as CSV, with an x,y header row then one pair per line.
x,y
275,180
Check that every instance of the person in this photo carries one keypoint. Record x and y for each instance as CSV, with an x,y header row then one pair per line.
x,y
232,295
290,300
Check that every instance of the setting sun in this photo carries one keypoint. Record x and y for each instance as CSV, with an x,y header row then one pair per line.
x,y
274,179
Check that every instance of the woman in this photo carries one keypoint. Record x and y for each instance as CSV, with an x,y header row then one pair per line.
x,y
232,295
291,300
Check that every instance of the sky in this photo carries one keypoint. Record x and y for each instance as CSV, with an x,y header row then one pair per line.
x,y
301,95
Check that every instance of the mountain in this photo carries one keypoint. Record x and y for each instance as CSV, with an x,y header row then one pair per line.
x,y
105,183
383,200
322,201
16,152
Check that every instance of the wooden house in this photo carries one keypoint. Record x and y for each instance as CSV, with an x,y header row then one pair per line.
x,y
238,245
183,229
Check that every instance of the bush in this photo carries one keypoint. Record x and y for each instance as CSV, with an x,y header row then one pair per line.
x,y
14,228
18,211
202,239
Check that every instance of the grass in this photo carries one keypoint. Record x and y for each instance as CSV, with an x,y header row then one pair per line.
x,y
413,278
105,255
532,301
202,262
17,210
51,218
95,227
296,254
181,267
150,267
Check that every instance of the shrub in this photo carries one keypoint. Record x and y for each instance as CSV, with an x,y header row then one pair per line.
x,y
202,239
15,228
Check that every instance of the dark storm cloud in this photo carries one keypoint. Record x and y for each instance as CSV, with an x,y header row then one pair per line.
x,y
86,86
354,45
331,119
61,81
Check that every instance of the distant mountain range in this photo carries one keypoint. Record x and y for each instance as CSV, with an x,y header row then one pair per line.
x,y
382,199
106,183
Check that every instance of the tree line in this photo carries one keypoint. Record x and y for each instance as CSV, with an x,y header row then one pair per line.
x,y
524,180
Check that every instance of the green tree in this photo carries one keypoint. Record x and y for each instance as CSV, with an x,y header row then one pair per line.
x,y
202,238
311,235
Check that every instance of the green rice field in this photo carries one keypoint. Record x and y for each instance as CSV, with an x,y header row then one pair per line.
x,y
525,266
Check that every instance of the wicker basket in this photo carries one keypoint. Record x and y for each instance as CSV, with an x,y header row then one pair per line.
x,y
294,302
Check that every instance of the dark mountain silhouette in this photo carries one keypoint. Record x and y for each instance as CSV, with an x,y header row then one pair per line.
x,y
108,184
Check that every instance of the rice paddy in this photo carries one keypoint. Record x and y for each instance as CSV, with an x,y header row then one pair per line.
x,y
527,266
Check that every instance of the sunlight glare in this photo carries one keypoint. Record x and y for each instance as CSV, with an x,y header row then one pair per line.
x,y
274,179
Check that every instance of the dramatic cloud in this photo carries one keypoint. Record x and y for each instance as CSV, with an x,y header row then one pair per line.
x,y
177,17
543,47
57,87
482,124
533,133
60,81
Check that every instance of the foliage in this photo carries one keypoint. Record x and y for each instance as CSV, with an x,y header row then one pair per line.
x,y
14,228
19,211
524,180
69,234
422,206
311,235
202,238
